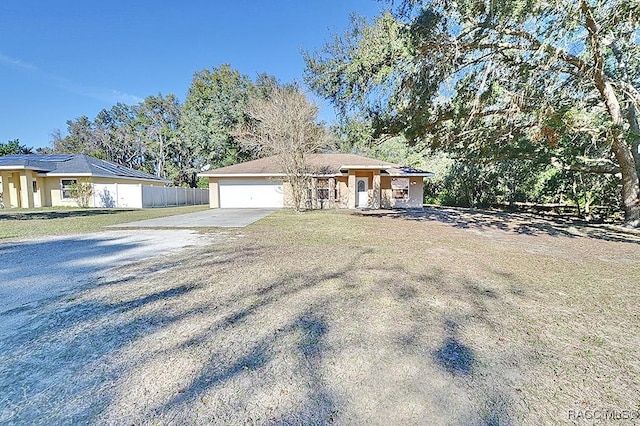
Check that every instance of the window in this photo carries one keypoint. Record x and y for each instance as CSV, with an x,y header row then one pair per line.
x,y
400,188
361,186
65,188
34,186
322,188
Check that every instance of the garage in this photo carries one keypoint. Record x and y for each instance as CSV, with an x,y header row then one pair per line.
x,y
251,193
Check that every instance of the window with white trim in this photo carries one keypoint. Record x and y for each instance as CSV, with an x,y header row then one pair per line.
x,y
65,188
400,188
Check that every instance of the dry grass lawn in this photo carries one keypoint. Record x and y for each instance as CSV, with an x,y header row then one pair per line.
x,y
450,317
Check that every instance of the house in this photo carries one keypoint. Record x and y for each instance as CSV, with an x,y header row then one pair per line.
x,y
44,180
336,181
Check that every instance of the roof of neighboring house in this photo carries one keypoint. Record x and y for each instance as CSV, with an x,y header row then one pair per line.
x,y
320,164
72,165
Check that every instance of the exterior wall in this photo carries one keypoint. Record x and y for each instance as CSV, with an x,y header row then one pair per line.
x,y
39,196
379,191
214,193
416,194
53,193
25,189
115,193
106,192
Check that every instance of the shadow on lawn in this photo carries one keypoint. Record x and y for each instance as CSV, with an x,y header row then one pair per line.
x,y
58,214
62,359
519,223
453,355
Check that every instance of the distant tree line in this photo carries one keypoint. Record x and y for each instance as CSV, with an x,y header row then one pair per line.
x,y
175,140
13,147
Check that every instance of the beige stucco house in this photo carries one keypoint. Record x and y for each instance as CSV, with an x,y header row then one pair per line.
x,y
336,181
44,180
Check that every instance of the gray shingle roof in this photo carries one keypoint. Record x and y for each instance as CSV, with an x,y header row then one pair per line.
x,y
70,164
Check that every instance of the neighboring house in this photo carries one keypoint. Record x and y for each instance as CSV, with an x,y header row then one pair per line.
x,y
44,180
336,181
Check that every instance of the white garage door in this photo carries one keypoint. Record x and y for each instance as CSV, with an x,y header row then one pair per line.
x,y
251,193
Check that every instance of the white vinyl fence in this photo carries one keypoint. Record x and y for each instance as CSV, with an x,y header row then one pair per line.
x,y
119,195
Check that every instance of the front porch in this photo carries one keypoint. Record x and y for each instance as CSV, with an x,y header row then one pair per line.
x,y
365,189
20,189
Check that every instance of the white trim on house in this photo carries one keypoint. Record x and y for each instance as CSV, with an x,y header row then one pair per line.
x,y
410,174
242,175
367,167
15,168
63,174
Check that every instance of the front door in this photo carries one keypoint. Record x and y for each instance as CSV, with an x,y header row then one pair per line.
x,y
362,192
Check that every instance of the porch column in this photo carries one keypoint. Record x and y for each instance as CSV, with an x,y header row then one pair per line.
x,y
376,189
6,197
332,192
314,194
26,191
351,202
12,197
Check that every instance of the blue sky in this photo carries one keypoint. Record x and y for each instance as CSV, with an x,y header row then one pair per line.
x,y
66,58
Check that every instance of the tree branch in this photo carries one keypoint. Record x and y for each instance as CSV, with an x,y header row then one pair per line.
x,y
588,165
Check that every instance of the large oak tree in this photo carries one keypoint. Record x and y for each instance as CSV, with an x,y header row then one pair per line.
x,y
557,81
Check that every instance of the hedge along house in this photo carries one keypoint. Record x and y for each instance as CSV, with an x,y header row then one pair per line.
x,y
335,181
44,180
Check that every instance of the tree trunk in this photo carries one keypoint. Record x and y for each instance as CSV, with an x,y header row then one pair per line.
x,y
630,183
634,127
622,151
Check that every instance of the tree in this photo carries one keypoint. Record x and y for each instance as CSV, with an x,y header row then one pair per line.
x,y
82,191
121,136
159,119
548,81
80,139
213,109
14,147
355,136
284,125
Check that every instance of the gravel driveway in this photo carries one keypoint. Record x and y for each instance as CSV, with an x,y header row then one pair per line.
x,y
34,270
